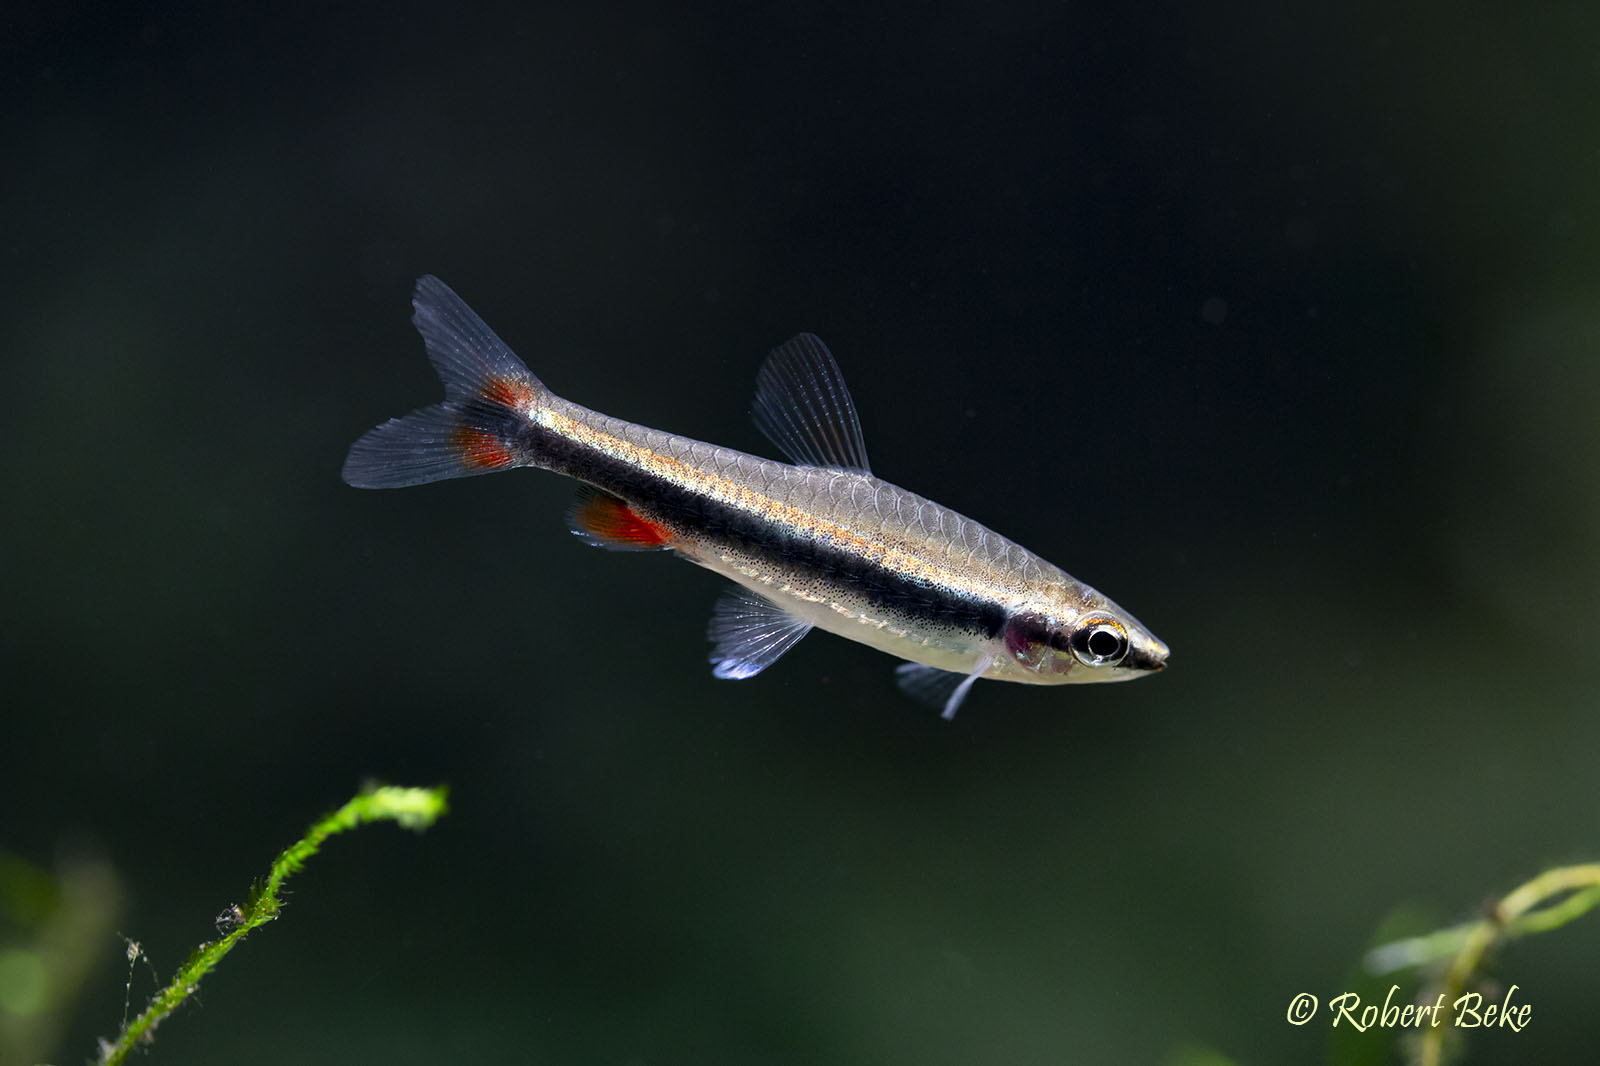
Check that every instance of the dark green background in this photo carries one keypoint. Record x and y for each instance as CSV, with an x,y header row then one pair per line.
x,y
1362,509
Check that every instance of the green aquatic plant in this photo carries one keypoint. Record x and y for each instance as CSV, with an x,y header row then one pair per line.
x,y
1449,959
1547,902
411,808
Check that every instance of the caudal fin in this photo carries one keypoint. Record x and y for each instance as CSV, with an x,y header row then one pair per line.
x,y
488,394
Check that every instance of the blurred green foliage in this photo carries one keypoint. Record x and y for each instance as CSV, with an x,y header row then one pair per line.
x,y
54,928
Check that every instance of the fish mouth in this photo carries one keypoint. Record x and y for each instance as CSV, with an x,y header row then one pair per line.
x,y
1148,658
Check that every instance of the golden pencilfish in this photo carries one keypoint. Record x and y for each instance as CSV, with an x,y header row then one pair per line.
x,y
814,542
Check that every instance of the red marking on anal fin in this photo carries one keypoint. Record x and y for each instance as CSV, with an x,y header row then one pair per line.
x,y
607,522
480,450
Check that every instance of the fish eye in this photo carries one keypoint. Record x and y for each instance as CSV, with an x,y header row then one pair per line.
x,y
1099,642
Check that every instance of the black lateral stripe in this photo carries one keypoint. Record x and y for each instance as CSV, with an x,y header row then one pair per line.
x,y
881,588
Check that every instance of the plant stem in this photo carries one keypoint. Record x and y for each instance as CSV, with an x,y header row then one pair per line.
x,y
412,808
1529,908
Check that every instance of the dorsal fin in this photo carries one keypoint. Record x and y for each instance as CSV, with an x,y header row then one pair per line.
x,y
803,407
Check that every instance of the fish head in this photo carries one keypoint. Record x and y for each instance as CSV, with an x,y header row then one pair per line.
x,y
1083,637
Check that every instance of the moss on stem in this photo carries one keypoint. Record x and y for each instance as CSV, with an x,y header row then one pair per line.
x,y
411,808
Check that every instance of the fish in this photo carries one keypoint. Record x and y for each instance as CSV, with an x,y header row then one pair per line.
x,y
817,542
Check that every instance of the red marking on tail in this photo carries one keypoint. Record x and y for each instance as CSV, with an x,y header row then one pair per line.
x,y
509,392
480,450
611,522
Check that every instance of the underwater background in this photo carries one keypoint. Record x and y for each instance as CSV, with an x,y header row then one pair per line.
x,y
1278,323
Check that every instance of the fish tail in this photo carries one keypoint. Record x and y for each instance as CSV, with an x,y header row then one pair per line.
x,y
489,394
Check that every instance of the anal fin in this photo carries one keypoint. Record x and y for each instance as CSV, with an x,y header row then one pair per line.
x,y
749,633
604,521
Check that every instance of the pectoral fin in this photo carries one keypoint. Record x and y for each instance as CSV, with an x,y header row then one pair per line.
x,y
749,633
935,687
